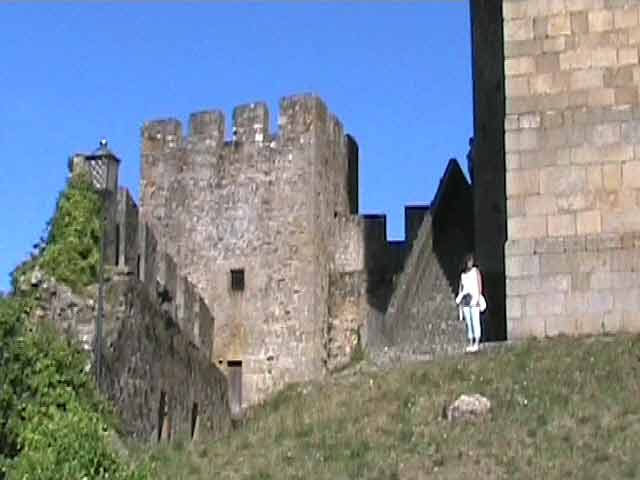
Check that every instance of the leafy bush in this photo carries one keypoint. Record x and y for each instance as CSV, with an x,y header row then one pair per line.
x,y
69,250
53,423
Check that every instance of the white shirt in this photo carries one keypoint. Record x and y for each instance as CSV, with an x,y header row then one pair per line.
x,y
469,282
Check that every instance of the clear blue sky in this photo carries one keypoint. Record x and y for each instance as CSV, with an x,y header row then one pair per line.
x,y
397,74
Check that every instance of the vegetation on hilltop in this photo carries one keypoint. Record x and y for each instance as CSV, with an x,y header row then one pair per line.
x,y
562,408
53,423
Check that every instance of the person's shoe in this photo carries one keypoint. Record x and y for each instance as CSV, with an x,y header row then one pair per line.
x,y
475,347
469,348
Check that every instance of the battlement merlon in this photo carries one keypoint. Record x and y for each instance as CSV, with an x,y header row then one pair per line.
x,y
251,123
159,136
207,125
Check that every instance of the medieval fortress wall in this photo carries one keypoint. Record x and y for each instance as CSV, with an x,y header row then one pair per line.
x,y
572,142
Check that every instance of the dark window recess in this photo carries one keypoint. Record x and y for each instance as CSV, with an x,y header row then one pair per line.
x,y
117,244
162,414
234,372
194,419
237,279
138,268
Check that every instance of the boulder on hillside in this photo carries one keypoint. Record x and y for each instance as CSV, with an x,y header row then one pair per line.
x,y
468,407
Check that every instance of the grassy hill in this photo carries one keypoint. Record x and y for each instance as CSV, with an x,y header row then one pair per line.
x,y
562,408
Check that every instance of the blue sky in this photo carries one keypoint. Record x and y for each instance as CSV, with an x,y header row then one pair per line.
x,y
398,75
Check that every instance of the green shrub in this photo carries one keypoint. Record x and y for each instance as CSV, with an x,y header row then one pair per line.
x,y
53,424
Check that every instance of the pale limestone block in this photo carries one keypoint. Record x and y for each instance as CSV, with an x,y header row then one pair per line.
x,y
522,48
604,57
627,299
522,265
575,59
527,227
512,161
562,180
559,25
551,102
560,282
518,247
519,66
513,10
521,140
631,132
590,262
594,177
525,327
511,122
550,245
615,153
625,259
613,321
590,324
594,301
621,221
522,285
605,134
634,36
603,242
588,222
559,325
544,304
544,84
541,8
625,17
514,307
515,206
630,322
580,5
556,263
581,200
602,97
614,280
626,96
522,182
612,177
554,45
628,56
518,29
549,63
540,204
530,120
600,20
631,174
561,225
579,23
575,244
552,119
584,155
619,77
585,79
580,281
516,86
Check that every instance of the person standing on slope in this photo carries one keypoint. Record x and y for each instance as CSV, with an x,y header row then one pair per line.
x,y
471,300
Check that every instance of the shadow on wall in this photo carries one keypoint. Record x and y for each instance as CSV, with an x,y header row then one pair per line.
x,y
452,222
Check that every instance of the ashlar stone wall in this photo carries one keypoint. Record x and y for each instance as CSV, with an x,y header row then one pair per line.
x,y
573,166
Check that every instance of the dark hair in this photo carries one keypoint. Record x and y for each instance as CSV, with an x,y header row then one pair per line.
x,y
467,258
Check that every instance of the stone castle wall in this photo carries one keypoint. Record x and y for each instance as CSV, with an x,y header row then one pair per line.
x,y
268,204
573,166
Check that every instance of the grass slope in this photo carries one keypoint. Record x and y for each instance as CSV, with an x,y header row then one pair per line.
x,y
562,408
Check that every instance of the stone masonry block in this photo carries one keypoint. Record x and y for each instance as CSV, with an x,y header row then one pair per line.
x,y
516,86
605,134
522,48
600,20
601,97
519,247
625,17
590,324
521,140
603,242
604,57
527,227
522,285
630,132
511,10
631,174
613,321
548,83
594,178
522,182
585,79
529,120
549,63
579,22
627,299
634,36
550,245
588,222
540,204
556,263
559,325
522,265
544,304
511,122
575,59
628,56
561,225
518,29
554,44
539,8
621,221
576,201
562,180
526,327
589,302
581,5
515,206
612,177
559,25
514,307
519,66
626,96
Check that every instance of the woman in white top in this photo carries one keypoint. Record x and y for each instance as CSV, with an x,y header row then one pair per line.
x,y
470,298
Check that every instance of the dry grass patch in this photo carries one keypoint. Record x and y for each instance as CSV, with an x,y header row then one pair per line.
x,y
562,408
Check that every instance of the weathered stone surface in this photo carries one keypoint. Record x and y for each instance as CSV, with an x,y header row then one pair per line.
x,y
469,407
